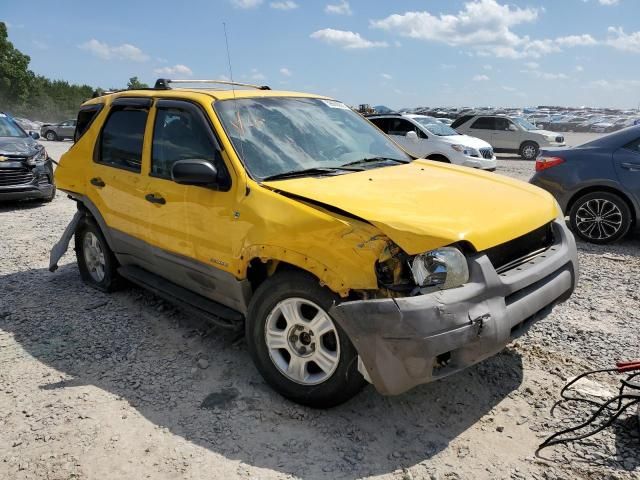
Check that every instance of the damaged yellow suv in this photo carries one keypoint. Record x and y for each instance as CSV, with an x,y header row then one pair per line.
x,y
289,215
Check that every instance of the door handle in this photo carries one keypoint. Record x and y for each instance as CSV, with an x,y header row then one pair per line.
x,y
97,181
634,167
153,198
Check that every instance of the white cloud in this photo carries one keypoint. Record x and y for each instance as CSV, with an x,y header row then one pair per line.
x,y
532,65
622,41
488,67
246,4
609,2
545,75
105,51
178,69
579,68
509,89
386,76
345,39
286,5
483,26
342,8
615,84
286,72
481,78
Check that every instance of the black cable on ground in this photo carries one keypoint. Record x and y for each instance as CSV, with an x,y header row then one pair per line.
x,y
633,397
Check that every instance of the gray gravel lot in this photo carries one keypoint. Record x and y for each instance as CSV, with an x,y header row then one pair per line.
x,y
113,386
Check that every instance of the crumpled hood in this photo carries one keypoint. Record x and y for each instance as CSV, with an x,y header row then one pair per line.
x,y
19,146
424,205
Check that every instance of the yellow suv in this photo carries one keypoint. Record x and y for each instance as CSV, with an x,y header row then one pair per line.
x,y
289,215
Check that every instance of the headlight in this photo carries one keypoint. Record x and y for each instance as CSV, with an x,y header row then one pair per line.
x,y
468,151
444,268
38,159
550,138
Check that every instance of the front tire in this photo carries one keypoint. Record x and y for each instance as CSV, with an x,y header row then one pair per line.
x,y
301,352
600,217
529,150
96,262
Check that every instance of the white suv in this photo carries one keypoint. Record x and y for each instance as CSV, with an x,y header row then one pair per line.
x,y
509,134
426,137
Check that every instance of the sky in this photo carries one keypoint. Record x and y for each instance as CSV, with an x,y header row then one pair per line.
x,y
400,53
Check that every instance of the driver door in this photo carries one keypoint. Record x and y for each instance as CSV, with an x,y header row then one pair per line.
x,y
398,129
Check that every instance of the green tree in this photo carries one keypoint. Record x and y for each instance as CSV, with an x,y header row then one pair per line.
x,y
135,84
15,76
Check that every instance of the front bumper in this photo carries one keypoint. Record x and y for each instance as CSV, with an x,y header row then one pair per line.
x,y
404,342
481,163
18,182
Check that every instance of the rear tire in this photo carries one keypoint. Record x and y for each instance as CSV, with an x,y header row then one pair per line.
x,y
96,262
51,136
529,150
600,217
288,328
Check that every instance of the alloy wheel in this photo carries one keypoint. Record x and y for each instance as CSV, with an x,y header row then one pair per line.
x,y
302,341
599,219
94,256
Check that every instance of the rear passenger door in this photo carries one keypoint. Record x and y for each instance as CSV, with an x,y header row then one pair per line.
x,y
503,137
115,184
627,165
483,127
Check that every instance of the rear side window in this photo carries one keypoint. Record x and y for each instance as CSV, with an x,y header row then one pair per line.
x,y
179,134
381,123
484,123
461,121
502,124
633,146
86,116
122,138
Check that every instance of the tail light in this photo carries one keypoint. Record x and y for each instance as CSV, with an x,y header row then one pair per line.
x,y
542,163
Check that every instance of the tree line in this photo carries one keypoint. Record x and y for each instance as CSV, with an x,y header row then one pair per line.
x,y
26,94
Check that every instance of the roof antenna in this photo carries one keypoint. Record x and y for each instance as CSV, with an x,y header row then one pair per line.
x,y
235,100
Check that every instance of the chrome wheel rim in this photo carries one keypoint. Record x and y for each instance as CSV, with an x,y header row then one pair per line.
x,y
302,341
93,256
529,151
50,136
598,219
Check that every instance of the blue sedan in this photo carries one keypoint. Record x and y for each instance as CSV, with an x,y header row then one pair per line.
x,y
596,184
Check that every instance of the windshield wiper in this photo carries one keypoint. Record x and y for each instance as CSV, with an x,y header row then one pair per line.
x,y
374,159
303,173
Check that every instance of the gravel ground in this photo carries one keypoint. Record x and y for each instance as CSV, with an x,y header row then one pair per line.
x,y
127,386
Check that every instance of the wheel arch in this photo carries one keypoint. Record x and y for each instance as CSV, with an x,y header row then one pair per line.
x,y
439,157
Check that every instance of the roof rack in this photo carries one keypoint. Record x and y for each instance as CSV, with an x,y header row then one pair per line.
x,y
163,83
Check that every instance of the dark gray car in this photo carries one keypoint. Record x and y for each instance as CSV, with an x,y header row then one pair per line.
x,y
596,184
58,131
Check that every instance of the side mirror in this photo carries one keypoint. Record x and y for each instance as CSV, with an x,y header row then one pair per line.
x,y
195,172
513,128
411,135
34,135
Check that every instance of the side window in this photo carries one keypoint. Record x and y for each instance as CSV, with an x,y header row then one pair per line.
x,y
86,116
122,138
381,123
400,127
484,123
502,124
633,146
179,134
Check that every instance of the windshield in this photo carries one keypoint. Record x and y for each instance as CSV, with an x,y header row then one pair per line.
x,y
273,136
8,128
524,124
435,127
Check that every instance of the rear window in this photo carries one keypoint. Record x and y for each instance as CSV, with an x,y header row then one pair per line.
x,y
86,116
122,138
461,121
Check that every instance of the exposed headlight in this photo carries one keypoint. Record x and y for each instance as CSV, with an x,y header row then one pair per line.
x,y
38,159
468,151
444,268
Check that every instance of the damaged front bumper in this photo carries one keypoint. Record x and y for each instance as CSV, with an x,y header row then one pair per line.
x,y
404,342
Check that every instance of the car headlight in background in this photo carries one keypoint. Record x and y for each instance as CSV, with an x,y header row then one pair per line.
x,y
38,159
468,151
444,268
550,138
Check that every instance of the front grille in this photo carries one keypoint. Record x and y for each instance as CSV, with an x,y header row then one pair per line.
x,y
559,139
486,153
15,176
515,252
